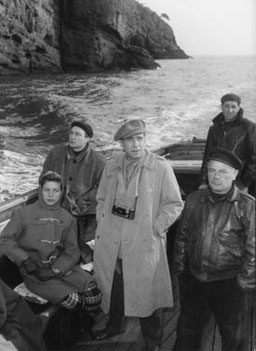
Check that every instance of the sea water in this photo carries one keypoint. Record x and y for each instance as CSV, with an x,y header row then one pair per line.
x,y
177,101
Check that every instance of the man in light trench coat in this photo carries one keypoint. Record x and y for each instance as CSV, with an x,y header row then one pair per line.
x,y
138,199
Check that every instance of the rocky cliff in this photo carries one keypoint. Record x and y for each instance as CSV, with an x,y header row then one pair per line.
x,y
51,35
29,36
100,34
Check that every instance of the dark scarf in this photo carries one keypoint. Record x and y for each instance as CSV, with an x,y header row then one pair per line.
x,y
221,197
220,119
76,153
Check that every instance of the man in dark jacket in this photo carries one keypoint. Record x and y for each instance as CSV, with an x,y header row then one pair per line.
x,y
81,168
215,257
232,131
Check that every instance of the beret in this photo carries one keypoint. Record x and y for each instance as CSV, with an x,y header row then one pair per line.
x,y
130,128
230,97
226,156
85,126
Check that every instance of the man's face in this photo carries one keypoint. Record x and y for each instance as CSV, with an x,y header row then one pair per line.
x,y
134,146
51,192
230,110
78,138
220,176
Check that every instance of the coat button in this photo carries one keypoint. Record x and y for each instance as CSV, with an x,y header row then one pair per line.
x,y
98,236
70,178
74,161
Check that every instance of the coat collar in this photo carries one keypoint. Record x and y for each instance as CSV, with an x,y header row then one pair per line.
x,y
219,119
116,161
206,196
84,154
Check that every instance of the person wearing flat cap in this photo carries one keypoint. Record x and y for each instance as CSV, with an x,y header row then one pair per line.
x,y
214,257
138,200
81,168
230,130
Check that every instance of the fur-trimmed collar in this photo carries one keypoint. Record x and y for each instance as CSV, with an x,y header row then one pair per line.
x,y
220,119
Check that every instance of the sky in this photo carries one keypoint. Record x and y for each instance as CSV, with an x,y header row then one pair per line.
x,y
211,27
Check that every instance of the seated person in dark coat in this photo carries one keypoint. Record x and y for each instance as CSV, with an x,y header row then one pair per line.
x,y
18,323
42,240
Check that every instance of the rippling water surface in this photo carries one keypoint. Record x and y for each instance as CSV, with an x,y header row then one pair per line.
x,y
177,101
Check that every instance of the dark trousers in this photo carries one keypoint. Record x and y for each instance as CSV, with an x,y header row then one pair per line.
x,y
151,327
86,231
199,300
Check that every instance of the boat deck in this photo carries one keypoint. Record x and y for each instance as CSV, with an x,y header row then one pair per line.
x,y
132,340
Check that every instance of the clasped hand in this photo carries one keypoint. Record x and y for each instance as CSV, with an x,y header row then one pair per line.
x,y
45,273
29,266
42,272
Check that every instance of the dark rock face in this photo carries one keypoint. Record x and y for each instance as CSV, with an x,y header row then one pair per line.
x,y
98,34
29,36
51,35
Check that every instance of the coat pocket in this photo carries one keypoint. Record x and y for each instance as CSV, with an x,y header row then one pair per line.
x,y
231,242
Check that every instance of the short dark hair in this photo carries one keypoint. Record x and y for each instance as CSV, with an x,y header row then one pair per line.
x,y
50,176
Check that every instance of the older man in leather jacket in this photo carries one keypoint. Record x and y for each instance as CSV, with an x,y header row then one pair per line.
x,y
230,130
81,168
215,256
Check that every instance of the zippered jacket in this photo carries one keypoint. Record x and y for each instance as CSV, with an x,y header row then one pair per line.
x,y
238,136
216,239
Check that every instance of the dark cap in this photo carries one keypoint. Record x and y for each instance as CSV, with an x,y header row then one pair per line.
x,y
85,126
130,128
230,97
225,156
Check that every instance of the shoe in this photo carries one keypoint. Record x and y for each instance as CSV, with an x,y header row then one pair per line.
x,y
152,348
156,348
87,322
88,333
107,333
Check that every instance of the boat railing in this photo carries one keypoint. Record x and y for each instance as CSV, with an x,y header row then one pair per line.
x,y
7,207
